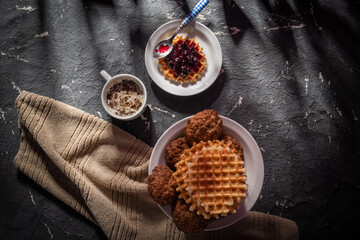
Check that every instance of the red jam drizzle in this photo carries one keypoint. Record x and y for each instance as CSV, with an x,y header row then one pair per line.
x,y
163,48
184,58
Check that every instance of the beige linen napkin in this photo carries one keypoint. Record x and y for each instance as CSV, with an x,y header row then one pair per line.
x,y
101,170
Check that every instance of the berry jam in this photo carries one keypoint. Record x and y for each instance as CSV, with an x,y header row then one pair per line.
x,y
162,48
184,58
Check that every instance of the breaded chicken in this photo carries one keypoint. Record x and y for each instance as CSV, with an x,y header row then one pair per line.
x,y
174,150
186,220
205,125
235,143
159,187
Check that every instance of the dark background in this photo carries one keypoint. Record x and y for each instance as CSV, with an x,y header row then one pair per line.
x,y
290,76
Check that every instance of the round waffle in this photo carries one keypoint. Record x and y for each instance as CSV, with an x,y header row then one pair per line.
x,y
192,76
211,177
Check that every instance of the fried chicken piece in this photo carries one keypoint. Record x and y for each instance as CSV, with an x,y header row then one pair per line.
x,y
186,220
205,125
159,187
174,150
235,143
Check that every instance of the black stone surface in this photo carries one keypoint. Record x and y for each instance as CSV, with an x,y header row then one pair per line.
x,y
290,76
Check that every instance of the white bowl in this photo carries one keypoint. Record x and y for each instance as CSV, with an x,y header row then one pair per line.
x,y
111,81
253,163
211,48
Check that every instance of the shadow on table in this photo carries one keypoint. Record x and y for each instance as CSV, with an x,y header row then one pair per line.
x,y
140,127
236,21
335,38
327,50
65,214
191,104
330,42
105,2
184,5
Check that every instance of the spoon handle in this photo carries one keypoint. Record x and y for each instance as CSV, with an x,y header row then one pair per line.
x,y
199,6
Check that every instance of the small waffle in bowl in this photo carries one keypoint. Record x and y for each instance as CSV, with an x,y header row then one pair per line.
x,y
210,177
185,63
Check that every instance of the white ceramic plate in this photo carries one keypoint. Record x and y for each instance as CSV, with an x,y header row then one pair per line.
x,y
253,163
211,48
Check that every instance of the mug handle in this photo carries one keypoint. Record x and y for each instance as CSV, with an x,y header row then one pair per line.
x,y
105,75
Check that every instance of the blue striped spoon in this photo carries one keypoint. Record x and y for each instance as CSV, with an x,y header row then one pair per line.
x,y
164,47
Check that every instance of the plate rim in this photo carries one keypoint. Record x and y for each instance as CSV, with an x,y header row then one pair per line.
x,y
186,93
256,192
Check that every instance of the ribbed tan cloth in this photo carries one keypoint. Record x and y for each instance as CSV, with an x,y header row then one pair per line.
x,y
100,171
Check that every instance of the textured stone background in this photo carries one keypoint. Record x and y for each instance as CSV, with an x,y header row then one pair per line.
x,y
290,76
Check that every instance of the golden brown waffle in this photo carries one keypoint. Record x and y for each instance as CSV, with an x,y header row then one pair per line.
x,y
192,76
211,178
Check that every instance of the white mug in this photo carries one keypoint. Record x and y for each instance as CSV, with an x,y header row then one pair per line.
x,y
111,81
